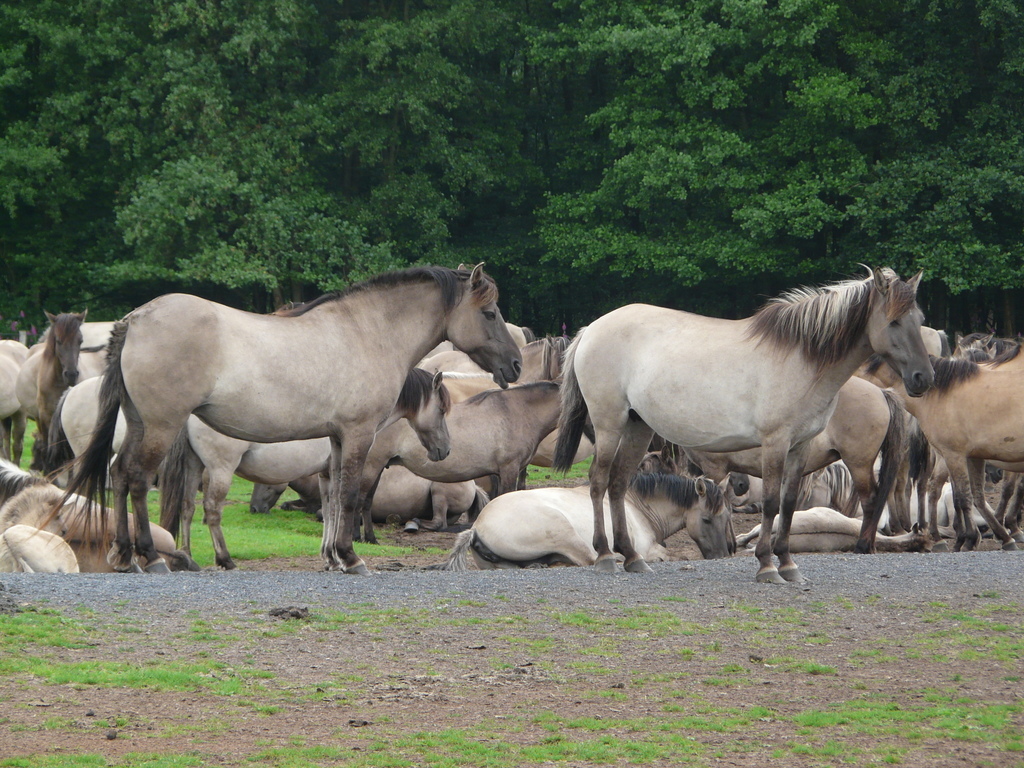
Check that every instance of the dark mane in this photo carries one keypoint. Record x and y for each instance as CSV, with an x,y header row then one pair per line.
x,y
824,323
417,390
61,327
950,371
1008,351
13,480
677,489
448,280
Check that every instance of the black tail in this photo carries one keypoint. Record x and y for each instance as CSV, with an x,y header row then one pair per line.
x,y
574,412
90,471
58,450
893,452
181,474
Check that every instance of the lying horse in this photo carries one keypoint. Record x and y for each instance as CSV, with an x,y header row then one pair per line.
x,y
403,497
30,500
823,529
556,525
25,549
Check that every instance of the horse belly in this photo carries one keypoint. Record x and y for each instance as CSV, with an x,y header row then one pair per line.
x,y
523,526
276,463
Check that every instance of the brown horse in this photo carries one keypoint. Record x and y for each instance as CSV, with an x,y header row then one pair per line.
x,y
727,385
331,368
62,364
974,413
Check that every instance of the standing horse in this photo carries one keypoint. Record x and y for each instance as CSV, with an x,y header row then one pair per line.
x,y
331,368
198,448
974,413
12,416
61,364
770,380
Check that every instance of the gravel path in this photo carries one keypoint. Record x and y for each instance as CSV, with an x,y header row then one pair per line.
x,y
900,578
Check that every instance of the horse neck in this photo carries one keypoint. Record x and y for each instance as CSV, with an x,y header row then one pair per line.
x,y
410,317
544,404
660,514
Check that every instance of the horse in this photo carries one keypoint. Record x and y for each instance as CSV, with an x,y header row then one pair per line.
x,y
555,525
423,403
494,434
62,362
402,497
770,380
24,549
823,529
264,497
12,416
973,413
333,367
27,499
867,423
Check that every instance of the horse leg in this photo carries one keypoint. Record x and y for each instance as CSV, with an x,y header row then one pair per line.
x,y
367,492
1011,503
348,457
632,447
605,448
867,491
439,509
773,461
976,474
934,492
213,507
18,436
5,438
796,460
966,531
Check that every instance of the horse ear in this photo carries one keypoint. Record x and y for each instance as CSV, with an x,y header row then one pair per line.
x,y
84,313
915,280
51,318
701,488
477,275
438,380
881,284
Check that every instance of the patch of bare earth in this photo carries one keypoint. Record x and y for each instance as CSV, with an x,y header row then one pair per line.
x,y
511,674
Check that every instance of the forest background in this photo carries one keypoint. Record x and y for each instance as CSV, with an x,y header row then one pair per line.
x,y
700,154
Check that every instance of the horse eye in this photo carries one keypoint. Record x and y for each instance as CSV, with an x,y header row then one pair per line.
x,y
489,315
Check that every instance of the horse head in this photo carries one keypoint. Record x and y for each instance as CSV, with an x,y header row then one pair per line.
x,y
712,528
425,402
65,342
894,329
475,326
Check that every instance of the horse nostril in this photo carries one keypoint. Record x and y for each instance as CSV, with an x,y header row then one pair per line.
x,y
517,366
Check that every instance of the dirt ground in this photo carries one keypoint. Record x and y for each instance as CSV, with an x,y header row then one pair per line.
x,y
759,680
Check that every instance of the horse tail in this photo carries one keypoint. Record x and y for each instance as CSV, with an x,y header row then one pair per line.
x,y
574,413
181,475
90,471
458,558
480,500
893,451
58,449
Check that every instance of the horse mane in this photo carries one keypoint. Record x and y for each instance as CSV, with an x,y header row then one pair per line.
x,y
416,390
676,488
13,479
1010,349
952,371
61,326
825,322
448,280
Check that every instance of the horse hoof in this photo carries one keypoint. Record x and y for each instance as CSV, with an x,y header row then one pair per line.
x,y
133,568
228,565
1010,546
158,566
605,565
792,575
638,566
358,570
769,575
1018,537
411,527
940,546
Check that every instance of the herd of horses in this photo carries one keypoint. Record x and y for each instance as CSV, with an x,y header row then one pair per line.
x,y
413,379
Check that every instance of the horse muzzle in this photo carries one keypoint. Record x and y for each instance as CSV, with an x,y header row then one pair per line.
x,y
918,383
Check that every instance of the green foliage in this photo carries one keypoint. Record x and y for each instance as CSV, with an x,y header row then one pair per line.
x,y
699,155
